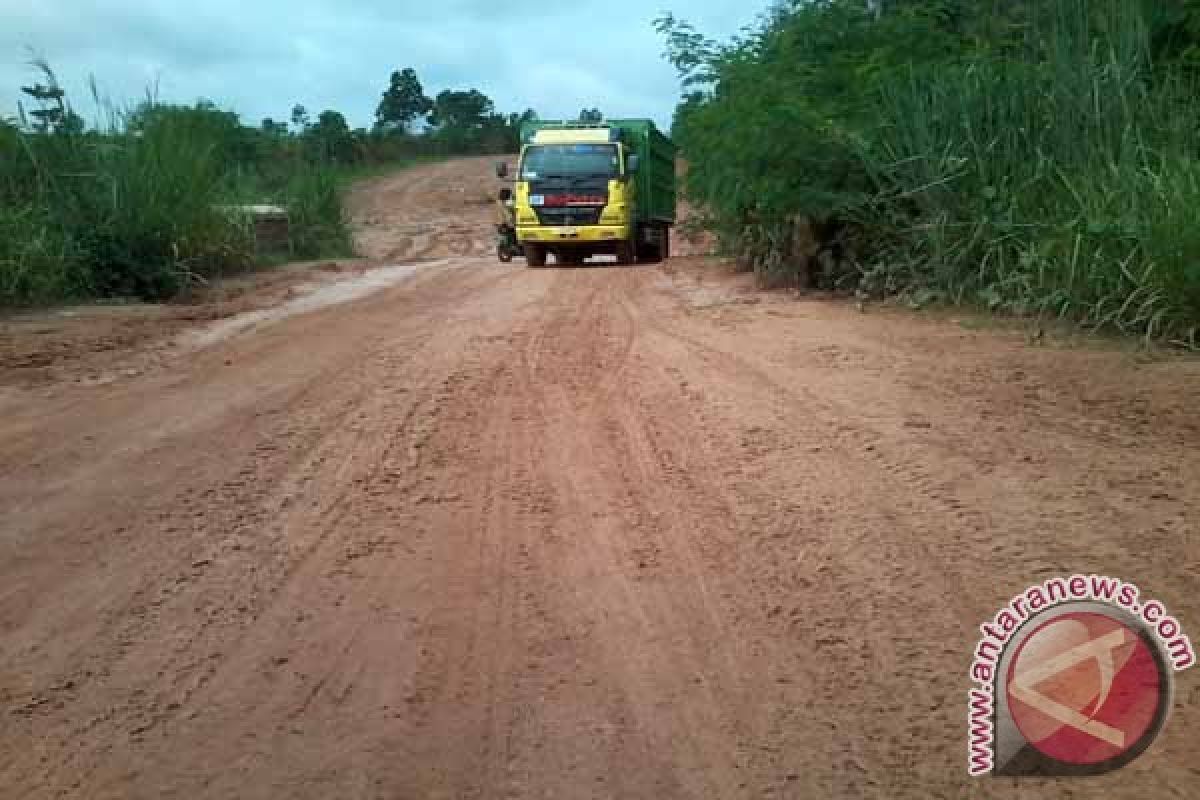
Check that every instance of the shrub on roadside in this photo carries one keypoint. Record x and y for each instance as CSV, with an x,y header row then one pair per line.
x,y
1033,157
318,224
140,208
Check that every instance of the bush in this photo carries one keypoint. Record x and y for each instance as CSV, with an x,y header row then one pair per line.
x,y
318,226
140,208
134,211
1032,157
1056,187
37,264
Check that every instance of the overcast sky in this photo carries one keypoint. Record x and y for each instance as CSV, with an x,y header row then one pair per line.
x,y
260,57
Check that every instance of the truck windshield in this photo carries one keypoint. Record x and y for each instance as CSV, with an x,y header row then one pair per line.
x,y
570,160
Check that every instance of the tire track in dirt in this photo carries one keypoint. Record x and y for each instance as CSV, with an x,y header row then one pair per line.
x,y
421,213
786,435
266,523
960,542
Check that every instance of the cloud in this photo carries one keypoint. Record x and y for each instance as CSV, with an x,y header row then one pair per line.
x,y
260,57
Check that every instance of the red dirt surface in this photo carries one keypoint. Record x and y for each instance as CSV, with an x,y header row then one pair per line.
x,y
564,533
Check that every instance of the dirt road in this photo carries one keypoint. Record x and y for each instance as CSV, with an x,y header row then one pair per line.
x,y
584,533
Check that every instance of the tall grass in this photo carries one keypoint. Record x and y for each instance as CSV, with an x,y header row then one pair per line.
x,y
138,207
118,213
1063,185
314,202
1035,157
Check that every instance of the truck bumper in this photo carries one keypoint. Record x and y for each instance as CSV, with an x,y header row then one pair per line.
x,y
582,234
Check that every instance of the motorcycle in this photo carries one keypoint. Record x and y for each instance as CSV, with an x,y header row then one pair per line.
x,y
507,246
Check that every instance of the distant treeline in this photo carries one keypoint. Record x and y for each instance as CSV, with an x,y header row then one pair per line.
x,y
1035,156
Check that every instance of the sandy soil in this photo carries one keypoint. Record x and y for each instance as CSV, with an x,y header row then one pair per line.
x,y
566,533
105,343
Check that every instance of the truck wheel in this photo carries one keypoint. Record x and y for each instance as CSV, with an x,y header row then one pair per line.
x,y
535,255
627,253
503,253
659,251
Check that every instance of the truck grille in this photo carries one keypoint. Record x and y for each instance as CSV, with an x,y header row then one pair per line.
x,y
569,216
559,192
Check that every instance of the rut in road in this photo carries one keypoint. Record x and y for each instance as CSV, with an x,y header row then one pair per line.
x,y
604,532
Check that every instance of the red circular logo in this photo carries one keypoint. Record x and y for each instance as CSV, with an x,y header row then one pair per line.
x,y
1085,688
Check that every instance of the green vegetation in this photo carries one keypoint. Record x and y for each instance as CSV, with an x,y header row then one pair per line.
x,y
131,211
144,203
1033,157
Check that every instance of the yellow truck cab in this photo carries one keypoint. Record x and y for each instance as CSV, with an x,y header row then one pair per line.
x,y
589,189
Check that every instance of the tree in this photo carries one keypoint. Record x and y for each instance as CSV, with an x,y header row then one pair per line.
x,y
516,121
331,123
332,137
222,131
460,111
512,133
300,118
402,103
273,128
591,115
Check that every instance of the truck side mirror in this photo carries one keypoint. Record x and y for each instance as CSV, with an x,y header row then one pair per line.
x,y
501,169
632,163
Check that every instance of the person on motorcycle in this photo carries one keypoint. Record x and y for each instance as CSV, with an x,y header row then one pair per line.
x,y
504,208
506,225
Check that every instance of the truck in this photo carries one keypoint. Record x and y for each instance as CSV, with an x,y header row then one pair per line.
x,y
583,189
